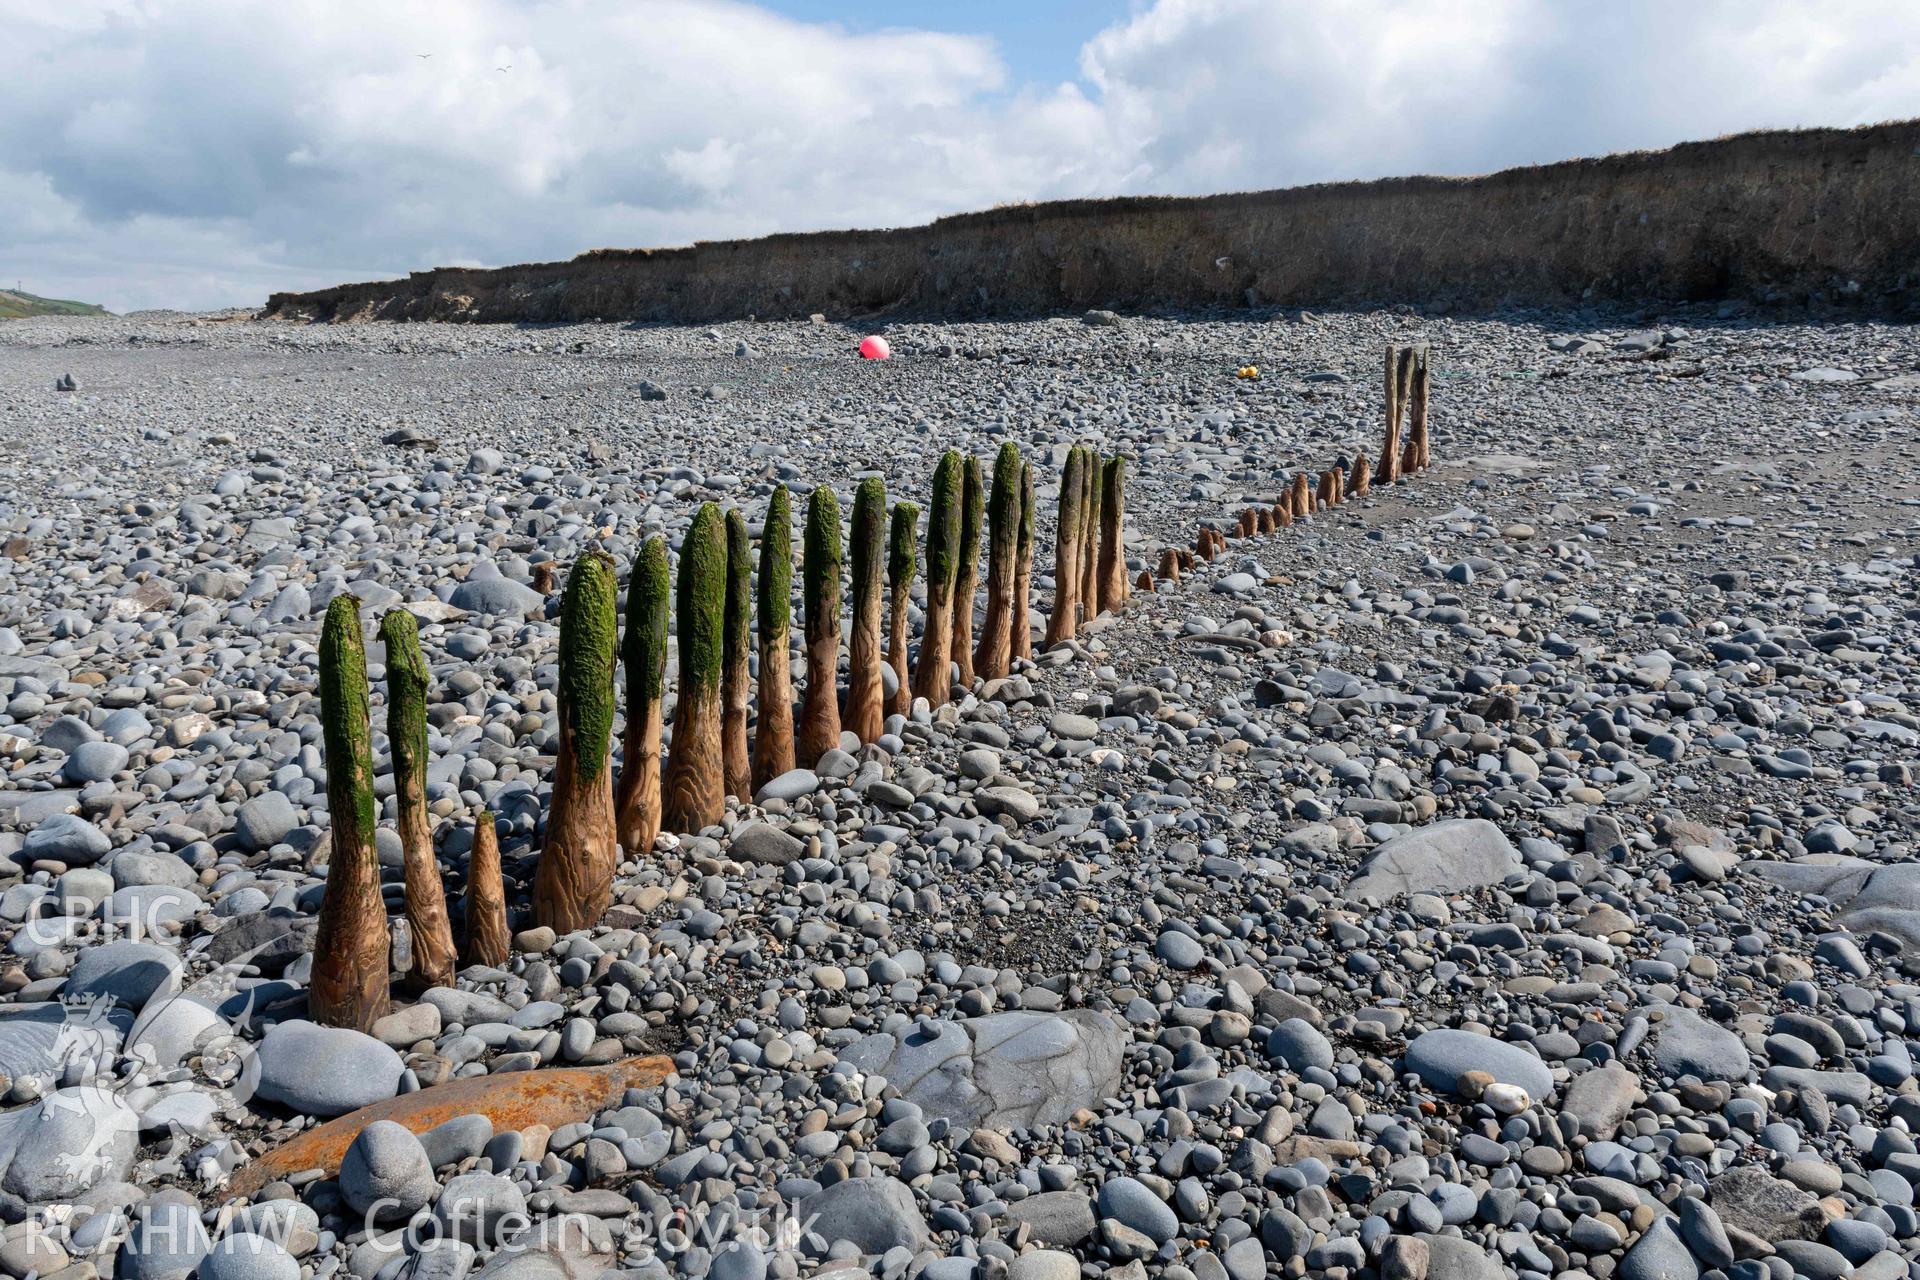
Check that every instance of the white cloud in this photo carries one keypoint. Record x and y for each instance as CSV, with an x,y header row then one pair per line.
x,y
1256,93
204,152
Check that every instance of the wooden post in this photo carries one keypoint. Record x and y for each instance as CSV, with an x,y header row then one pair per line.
x,y
573,884
1089,592
1169,565
487,936
1063,619
694,790
1417,424
736,666
932,678
994,652
349,983
1019,623
408,681
1113,534
902,539
866,713
966,578
1390,443
820,570
643,653
773,732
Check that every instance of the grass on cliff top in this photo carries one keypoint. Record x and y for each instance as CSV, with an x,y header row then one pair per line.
x,y
16,304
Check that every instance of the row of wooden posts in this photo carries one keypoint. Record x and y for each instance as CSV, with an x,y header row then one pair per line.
x,y
717,602
593,819
1407,386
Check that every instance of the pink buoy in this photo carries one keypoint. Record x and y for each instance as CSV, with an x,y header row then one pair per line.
x,y
874,347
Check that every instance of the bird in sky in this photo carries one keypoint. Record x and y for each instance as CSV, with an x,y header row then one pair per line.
x,y
423,55
508,67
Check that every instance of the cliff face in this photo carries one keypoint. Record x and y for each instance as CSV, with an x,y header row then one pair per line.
x,y
1827,216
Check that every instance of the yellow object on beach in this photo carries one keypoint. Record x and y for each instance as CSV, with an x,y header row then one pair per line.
x,y
1248,371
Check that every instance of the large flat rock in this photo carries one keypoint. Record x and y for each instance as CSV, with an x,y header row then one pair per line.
x,y
53,1151
1755,1201
41,669
41,1039
1443,1055
1689,1045
1446,857
1867,895
1003,1071
28,809
876,1214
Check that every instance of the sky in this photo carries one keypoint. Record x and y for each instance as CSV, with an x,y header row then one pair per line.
x,y
204,153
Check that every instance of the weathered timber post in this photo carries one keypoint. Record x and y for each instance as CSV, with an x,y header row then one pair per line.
x,y
694,790
1169,570
1089,594
966,578
773,730
487,936
736,666
643,652
348,987
866,713
1389,470
902,538
1113,528
1019,622
408,681
994,652
573,883
1063,620
820,594
1417,437
932,677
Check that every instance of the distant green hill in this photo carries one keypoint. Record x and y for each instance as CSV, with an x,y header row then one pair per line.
x,y
16,304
